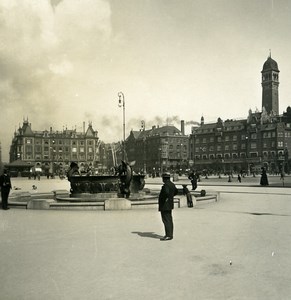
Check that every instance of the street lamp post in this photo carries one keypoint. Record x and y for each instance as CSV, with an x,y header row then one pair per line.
x,y
181,157
247,155
121,103
167,155
160,159
144,156
194,150
53,152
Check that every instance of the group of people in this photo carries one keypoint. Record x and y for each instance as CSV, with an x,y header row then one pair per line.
x,y
169,190
166,198
165,201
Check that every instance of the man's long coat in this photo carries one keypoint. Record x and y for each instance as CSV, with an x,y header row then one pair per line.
x,y
166,197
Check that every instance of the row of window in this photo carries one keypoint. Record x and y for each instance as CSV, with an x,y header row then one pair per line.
x,y
268,76
60,157
253,136
183,141
40,149
271,154
243,137
252,145
60,142
178,147
226,128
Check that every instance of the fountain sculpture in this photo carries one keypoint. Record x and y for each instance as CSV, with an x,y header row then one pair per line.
x,y
123,183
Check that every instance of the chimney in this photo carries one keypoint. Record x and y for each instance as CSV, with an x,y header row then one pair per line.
x,y
84,127
183,127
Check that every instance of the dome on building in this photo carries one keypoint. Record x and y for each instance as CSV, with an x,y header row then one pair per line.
x,y
270,64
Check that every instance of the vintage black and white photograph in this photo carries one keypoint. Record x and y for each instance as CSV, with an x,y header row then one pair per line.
x,y
144,149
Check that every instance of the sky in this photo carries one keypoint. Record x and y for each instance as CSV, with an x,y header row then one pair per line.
x,y
63,62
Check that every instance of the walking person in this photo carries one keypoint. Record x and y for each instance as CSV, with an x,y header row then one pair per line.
x,y
239,178
264,178
5,185
166,205
282,176
193,177
187,193
229,178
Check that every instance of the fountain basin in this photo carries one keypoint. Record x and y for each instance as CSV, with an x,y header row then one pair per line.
x,y
103,184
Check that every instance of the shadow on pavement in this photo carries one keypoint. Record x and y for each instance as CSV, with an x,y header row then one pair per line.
x,y
147,234
265,214
259,213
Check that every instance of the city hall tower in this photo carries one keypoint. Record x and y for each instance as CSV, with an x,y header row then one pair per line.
x,y
270,85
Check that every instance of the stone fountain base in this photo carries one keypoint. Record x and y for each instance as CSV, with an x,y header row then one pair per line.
x,y
117,204
61,199
109,200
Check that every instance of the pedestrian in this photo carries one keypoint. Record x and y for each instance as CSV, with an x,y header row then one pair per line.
x,y
166,205
282,176
239,178
187,193
264,178
5,185
229,178
193,178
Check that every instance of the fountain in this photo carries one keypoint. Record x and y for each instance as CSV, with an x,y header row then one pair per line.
x,y
120,188
123,190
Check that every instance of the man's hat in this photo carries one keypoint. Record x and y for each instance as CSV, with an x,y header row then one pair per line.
x,y
73,164
166,175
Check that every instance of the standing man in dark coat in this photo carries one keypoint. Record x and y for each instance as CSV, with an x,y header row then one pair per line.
x,y
264,178
166,205
5,185
193,177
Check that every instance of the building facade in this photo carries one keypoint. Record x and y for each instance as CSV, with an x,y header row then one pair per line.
x,y
52,151
158,149
263,139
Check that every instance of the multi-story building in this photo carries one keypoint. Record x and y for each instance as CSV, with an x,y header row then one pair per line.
x,y
158,149
263,139
53,151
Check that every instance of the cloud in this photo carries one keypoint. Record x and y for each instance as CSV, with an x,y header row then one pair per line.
x,y
54,3
46,49
192,123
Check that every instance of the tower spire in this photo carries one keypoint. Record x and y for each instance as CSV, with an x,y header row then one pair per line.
x,y
270,86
